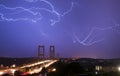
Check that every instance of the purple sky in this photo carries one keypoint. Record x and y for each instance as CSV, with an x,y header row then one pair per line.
x,y
77,28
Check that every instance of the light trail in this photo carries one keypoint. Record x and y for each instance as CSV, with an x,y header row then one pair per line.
x,y
46,63
34,64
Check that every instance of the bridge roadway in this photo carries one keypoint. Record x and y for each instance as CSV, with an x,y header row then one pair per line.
x,y
44,63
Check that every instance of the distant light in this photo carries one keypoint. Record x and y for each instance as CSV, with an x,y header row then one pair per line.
x,y
7,66
98,68
1,73
54,69
13,65
96,73
36,70
1,65
13,70
119,69
26,73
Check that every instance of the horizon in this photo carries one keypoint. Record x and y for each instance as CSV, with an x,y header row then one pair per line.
x,y
63,57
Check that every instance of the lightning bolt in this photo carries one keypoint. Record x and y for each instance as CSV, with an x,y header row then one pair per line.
x,y
87,41
34,12
3,15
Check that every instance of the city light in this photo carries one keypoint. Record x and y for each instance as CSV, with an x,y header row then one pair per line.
x,y
13,70
54,69
119,69
13,66
98,68
1,73
96,72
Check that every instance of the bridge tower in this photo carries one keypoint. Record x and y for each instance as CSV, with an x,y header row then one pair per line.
x,y
52,52
41,51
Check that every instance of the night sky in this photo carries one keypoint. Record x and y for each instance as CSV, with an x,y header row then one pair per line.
x,y
77,28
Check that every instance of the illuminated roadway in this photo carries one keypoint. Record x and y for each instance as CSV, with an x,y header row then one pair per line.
x,y
44,63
